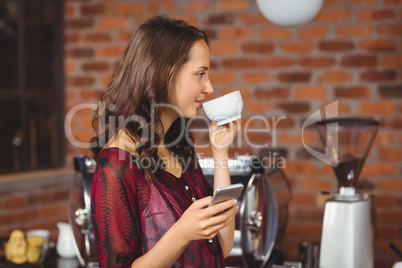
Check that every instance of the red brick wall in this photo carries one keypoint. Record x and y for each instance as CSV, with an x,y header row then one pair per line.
x,y
350,53
34,202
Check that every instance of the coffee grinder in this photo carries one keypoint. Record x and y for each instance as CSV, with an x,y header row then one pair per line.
x,y
347,239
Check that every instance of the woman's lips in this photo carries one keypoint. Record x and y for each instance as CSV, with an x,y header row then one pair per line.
x,y
199,103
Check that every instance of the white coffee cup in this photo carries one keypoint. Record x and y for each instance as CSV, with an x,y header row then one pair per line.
x,y
40,232
224,109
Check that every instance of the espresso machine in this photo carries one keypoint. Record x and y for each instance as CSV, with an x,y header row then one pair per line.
x,y
79,212
347,237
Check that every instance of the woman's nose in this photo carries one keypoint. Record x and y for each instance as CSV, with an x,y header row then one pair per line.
x,y
208,89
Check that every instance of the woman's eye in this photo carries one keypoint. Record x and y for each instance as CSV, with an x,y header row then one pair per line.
x,y
200,74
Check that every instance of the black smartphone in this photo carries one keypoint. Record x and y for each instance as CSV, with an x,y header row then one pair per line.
x,y
225,193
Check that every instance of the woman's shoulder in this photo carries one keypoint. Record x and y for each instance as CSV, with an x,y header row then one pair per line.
x,y
117,166
124,141
116,159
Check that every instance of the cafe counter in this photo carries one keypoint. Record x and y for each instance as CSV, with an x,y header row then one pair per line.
x,y
52,260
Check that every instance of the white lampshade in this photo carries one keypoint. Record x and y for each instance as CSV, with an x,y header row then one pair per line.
x,y
289,12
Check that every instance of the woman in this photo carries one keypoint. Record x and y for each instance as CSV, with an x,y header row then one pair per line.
x,y
149,197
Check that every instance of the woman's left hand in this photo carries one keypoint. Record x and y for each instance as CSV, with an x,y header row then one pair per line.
x,y
221,137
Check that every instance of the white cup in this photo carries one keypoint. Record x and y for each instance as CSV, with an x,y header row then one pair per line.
x,y
224,109
40,232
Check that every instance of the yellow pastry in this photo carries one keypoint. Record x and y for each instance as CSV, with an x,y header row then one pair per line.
x,y
35,241
35,244
16,247
33,253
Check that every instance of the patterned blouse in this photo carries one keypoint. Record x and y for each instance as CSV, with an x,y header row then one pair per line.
x,y
131,215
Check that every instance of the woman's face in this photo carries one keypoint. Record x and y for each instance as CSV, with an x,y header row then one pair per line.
x,y
191,83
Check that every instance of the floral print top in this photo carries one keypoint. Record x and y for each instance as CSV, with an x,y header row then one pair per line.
x,y
130,215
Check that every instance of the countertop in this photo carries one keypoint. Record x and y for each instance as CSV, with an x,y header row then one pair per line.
x,y
52,260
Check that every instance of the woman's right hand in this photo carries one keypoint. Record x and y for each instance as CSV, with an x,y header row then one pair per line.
x,y
202,222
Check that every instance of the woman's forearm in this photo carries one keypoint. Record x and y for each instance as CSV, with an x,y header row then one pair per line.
x,y
222,178
165,252
221,171
226,238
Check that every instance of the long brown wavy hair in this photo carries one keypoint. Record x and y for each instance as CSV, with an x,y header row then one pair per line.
x,y
141,79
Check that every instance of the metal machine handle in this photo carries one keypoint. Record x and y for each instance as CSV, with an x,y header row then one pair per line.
x,y
254,222
81,216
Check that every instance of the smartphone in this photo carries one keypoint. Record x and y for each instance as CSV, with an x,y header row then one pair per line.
x,y
225,193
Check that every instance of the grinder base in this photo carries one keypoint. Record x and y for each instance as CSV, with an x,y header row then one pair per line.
x,y
346,239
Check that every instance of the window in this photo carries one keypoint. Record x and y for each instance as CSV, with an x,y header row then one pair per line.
x,y
31,85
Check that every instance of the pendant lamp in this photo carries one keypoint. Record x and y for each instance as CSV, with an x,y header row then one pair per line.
x,y
289,12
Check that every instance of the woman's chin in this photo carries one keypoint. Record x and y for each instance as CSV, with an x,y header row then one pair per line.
x,y
192,114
